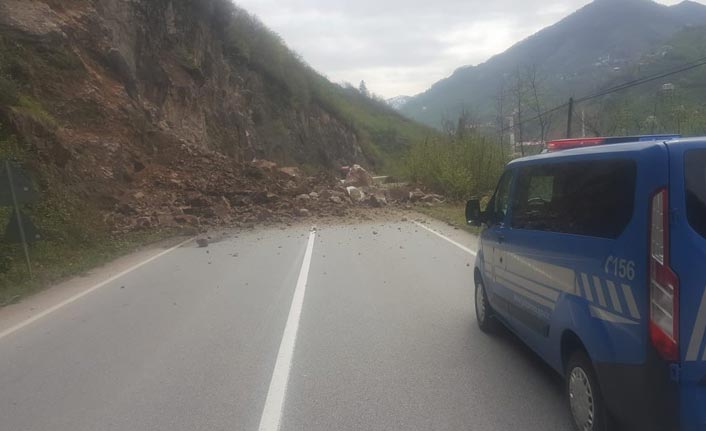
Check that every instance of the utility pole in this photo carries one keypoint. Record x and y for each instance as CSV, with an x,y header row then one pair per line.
x,y
583,123
569,120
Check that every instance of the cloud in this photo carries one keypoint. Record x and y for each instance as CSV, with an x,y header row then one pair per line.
x,y
404,46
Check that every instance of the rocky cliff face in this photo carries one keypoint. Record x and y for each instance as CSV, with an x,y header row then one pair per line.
x,y
157,67
111,91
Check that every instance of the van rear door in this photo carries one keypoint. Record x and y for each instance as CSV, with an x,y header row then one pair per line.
x,y
687,249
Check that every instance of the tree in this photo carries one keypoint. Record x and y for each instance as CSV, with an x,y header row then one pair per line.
x,y
519,91
500,113
535,88
363,88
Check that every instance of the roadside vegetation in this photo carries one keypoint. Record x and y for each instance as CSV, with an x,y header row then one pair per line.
x,y
458,167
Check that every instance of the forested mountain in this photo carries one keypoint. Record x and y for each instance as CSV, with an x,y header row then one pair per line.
x,y
578,55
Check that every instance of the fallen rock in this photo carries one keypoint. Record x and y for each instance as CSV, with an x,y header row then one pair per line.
x,y
416,195
377,200
187,219
336,200
355,193
265,165
432,198
398,194
303,212
143,223
202,242
291,172
358,177
166,220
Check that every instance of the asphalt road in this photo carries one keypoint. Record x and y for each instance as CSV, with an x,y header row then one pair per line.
x,y
385,339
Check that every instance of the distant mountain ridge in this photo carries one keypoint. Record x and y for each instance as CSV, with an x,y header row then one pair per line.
x,y
575,56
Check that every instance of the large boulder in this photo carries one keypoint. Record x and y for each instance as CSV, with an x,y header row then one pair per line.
x,y
358,177
355,193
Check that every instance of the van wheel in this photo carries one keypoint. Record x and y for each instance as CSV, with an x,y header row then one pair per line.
x,y
584,395
484,313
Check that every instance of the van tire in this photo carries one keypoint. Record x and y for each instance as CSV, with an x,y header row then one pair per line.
x,y
484,312
583,394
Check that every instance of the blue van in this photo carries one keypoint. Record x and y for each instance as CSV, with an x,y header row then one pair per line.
x,y
594,254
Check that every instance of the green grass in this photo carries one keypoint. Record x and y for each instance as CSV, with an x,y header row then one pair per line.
x,y
34,109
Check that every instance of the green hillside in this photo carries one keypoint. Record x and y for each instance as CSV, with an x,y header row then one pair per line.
x,y
674,104
576,56
384,133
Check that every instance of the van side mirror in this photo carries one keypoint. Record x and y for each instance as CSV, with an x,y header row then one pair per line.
x,y
473,214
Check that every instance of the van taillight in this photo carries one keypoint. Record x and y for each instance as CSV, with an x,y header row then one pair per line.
x,y
664,284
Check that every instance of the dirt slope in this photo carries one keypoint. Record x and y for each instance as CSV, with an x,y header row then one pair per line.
x,y
133,108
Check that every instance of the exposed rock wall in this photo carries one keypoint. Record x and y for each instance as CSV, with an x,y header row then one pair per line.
x,y
113,86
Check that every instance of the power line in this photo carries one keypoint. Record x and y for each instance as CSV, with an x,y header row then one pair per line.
x,y
683,68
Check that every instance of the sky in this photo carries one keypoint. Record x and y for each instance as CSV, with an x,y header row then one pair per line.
x,y
402,47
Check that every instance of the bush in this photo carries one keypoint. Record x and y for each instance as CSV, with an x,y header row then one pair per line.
x,y
456,167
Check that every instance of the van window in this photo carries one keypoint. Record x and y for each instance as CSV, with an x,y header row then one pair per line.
x,y
592,198
501,200
695,172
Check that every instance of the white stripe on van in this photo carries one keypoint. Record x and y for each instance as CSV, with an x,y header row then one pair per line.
x,y
599,291
586,287
547,274
577,286
697,335
532,286
610,317
630,299
614,297
526,294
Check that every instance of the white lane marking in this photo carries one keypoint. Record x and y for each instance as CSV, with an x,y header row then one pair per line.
x,y
462,247
75,298
697,335
274,403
